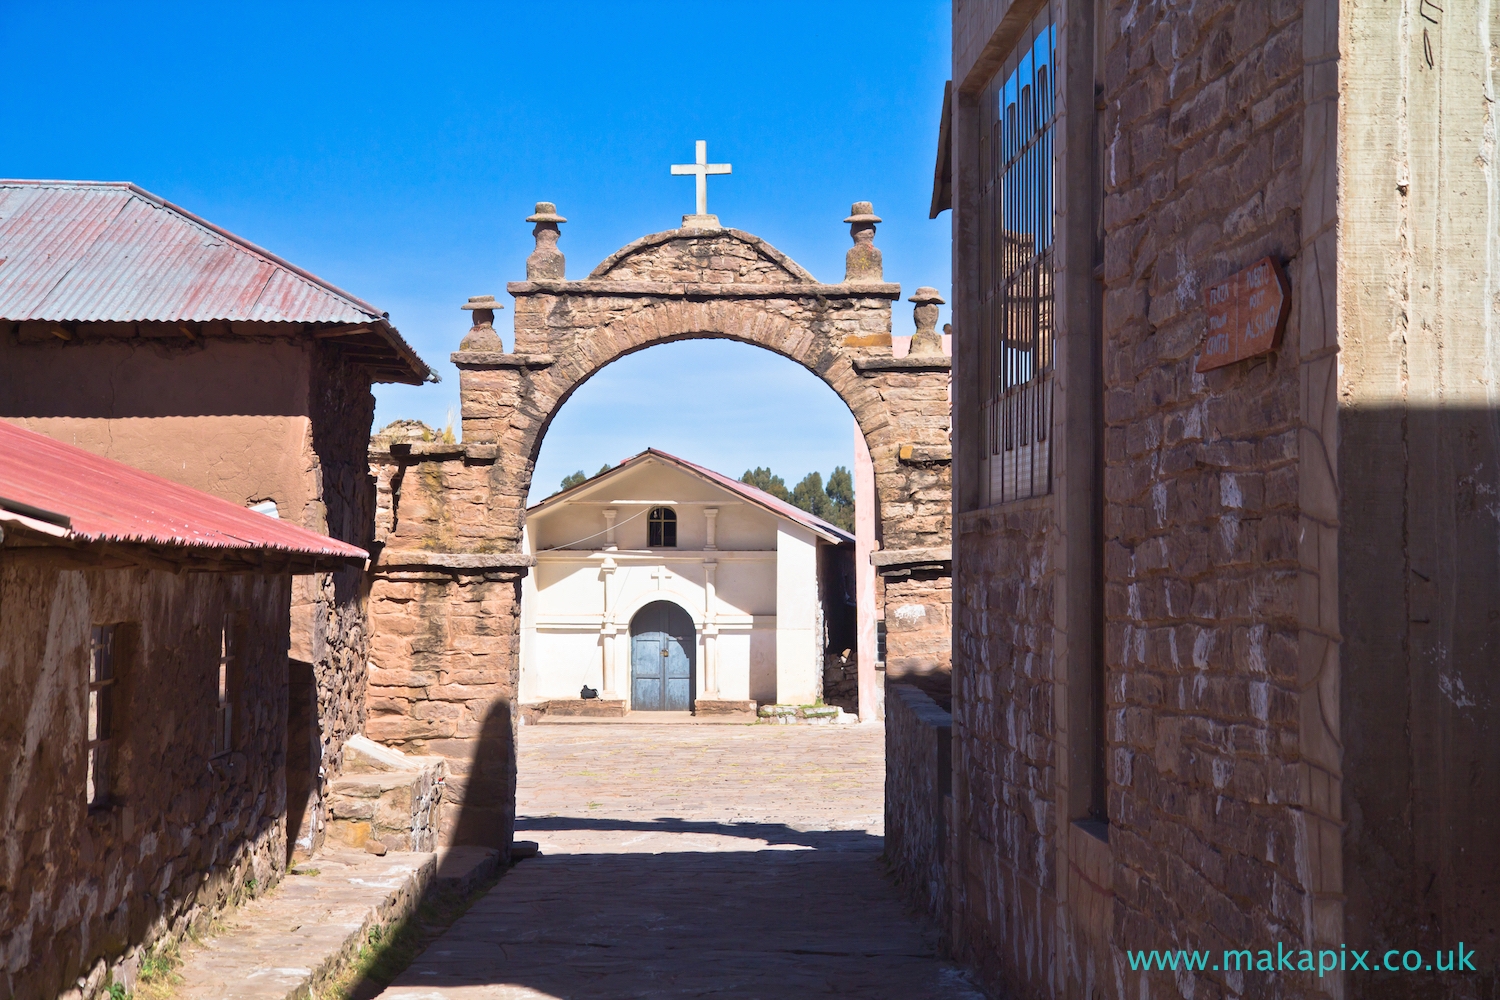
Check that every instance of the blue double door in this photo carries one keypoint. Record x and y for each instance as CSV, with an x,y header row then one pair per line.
x,y
661,659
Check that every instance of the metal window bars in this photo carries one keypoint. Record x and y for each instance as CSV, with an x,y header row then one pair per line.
x,y
1016,206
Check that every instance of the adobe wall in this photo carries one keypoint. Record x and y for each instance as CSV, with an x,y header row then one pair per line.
x,y
1219,648
83,892
276,417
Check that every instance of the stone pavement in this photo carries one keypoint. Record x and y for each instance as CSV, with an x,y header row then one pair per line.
x,y
686,861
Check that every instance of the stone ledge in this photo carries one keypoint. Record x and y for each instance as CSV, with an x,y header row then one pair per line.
x,y
920,363
604,287
293,941
586,708
925,454
427,449
392,558
892,558
724,706
482,452
500,359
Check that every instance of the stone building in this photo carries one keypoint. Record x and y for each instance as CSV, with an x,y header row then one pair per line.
x,y
141,332
143,748
667,587
1224,608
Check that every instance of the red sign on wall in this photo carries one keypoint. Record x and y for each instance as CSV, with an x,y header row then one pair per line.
x,y
1246,315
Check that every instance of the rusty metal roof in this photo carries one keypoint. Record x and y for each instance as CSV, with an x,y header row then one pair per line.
x,y
57,491
110,252
754,494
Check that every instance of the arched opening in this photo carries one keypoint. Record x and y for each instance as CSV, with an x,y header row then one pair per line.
x,y
768,567
461,547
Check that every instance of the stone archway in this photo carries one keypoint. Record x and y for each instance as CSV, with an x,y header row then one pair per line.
x,y
445,594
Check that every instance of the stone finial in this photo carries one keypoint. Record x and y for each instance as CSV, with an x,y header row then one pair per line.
x,y
926,340
482,335
546,261
862,262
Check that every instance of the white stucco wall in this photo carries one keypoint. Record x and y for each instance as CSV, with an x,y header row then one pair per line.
x,y
796,614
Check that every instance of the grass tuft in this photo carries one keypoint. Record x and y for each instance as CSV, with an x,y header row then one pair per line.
x,y
389,950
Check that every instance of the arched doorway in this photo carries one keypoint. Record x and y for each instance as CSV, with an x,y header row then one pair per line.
x,y
662,664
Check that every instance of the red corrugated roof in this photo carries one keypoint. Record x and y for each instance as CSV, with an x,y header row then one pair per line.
x,y
108,501
754,494
110,252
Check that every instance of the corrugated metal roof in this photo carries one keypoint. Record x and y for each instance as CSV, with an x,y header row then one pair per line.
x,y
755,495
110,252
108,501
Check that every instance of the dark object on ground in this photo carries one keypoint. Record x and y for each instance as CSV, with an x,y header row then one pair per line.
x,y
520,849
587,692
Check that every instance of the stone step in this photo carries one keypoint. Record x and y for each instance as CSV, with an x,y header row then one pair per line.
x,y
294,940
385,800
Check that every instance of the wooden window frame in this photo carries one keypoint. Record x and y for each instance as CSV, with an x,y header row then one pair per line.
x,y
229,643
661,528
99,722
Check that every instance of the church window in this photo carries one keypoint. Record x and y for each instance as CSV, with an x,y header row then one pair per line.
x,y
1016,209
100,721
663,527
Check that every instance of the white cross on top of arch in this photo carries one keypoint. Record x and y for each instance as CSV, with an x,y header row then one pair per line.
x,y
700,170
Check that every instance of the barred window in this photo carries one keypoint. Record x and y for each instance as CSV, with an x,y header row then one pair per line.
x,y
100,713
1015,266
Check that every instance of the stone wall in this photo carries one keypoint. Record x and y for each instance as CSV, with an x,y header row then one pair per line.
x,y
1002,876
1218,801
1216,689
444,669
328,609
83,891
918,781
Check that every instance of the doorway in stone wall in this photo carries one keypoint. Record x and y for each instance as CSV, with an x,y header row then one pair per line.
x,y
662,643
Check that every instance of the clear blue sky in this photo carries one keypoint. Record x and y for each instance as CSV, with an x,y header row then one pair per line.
x,y
395,151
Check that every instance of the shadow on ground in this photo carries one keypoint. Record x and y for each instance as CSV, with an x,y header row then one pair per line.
x,y
790,913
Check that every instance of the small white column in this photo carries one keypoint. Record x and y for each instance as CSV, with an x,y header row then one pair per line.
x,y
609,528
607,629
712,516
710,626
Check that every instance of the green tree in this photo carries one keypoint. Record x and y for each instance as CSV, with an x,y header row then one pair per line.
x,y
811,497
841,498
573,479
603,469
765,479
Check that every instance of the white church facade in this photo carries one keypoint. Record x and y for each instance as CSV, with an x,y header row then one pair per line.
x,y
661,585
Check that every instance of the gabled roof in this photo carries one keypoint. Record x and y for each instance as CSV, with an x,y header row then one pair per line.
x,y
110,252
754,495
57,493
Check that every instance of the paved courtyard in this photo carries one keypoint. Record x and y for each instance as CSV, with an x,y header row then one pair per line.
x,y
687,861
